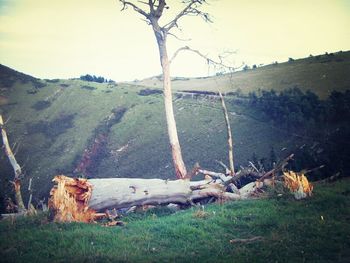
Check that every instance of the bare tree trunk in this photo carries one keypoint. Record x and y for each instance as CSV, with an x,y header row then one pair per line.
x,y
78,199
179,165
16,168
229,136
18,196
129,192
152,15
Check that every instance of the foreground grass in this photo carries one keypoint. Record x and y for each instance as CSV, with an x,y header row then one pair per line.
x,y
314,230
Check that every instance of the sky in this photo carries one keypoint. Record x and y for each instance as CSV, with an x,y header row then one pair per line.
x,y
66,38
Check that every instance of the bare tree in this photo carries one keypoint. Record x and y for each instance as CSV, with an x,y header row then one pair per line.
x,y
16,168
229,136
152,16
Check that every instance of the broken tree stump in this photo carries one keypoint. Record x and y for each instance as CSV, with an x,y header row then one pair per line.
x,y
298,184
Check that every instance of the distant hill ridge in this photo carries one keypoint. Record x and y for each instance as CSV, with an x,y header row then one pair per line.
x,y
321,74
9,76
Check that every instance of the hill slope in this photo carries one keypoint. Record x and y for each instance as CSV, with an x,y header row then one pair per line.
x,y
56,124
89,129
322,74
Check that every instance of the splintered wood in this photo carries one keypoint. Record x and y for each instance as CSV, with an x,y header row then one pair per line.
x,y
298,184
69,199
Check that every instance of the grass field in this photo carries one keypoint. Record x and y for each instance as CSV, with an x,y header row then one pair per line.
x,y
322,74
313,230
54,124
51,122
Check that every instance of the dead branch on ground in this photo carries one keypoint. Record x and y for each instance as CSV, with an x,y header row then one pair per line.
x,y
246,240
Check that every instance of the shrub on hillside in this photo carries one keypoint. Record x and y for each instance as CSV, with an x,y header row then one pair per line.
x,y
52,80
93,78
323,123
87,87
147,92
53,128
41,105
38,84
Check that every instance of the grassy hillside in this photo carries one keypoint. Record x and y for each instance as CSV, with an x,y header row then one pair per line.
x,y
54,124
313,230
321,74
82,128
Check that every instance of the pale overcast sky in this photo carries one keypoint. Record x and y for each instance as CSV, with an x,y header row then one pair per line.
x,y
68,38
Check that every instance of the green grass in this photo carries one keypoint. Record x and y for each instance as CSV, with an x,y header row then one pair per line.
x,y
52,122
52,139
292,231
322,74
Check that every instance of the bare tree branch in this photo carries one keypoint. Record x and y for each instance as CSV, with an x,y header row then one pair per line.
x,y
177,52
156,8
278,167
227,171
151,5
190,10
159,11
136,8
219,63
254,167
220,176
178,38
246,240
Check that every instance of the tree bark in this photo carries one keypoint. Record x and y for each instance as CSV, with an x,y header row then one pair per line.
x,y
126,192
16,168
156,8
84,200
229,136
179,165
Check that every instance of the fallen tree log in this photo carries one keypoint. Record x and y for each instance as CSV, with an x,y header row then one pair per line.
x,y
85,200
126,192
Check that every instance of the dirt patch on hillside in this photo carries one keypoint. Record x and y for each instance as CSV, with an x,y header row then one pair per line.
x,y
96,151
